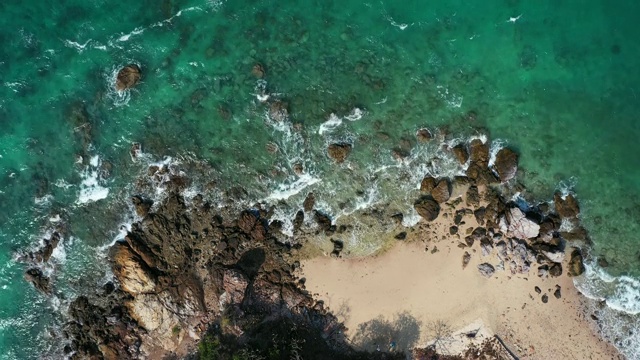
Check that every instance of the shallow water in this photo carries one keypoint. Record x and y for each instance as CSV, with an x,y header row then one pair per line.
x,y
559,84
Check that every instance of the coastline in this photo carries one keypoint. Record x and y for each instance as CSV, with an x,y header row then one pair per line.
x,y
536,317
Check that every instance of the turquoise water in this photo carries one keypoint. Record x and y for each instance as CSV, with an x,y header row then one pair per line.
x,y
559,84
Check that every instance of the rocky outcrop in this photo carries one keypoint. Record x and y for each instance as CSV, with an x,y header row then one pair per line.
x,y
427,208
339,151
423,135
506,164
442,191
461,153
576,266
567,206
128,77
279,111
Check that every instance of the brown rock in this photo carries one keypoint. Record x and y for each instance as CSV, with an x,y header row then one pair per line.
x,y
576,267
132,273
479,153
441,193
278,111
309,202
128,77
567,207
506,164
39,280
466,258
473,196
339,151
427,208
479,214
141,205
555,270
427,184
461,153
423,135
258,71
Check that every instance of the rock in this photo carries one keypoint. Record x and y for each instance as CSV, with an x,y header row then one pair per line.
x,y
473,196
309,202
427,208
461,153
453,230
298,169
339,151
132,273
278,111
141,205
423,135
479,153
397,218
557,293
323,220
479,214
602,262
135,151
128,77
486,269
538,290
258,71
401,236
298,220
469,240
338,245
466,258
543,270
428,183
576,266
486,246
506,164
567,207
554,256
441,192
545,298
235,284
521,227
39,280
555,270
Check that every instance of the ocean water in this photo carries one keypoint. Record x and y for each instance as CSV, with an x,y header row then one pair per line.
x,y
557,81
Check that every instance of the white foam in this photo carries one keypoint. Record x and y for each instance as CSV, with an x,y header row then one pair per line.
x,y
333,122
126,37
55,218
286,191
496,145
621,293
90,188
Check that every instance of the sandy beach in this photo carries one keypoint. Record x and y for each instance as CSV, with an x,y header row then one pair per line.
x,y
418,294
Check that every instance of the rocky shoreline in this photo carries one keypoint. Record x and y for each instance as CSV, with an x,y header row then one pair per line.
x,y
190,273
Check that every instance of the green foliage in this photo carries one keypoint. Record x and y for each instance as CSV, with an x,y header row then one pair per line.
x,y
209,347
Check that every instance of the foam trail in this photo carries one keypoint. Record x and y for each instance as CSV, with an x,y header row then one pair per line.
x,y
286,191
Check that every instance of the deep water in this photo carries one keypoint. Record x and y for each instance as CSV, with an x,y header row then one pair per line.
x,y
558,81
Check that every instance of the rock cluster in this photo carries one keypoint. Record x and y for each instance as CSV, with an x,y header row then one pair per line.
x,y
128,77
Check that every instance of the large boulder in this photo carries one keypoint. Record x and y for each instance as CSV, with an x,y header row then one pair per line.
x,y
441,192
520,226
461,153
128,77
427,208
576,265
566,207
427,184
506,164
339,151
479,153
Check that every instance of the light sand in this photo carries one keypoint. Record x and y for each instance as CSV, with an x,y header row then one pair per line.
x,y
400,295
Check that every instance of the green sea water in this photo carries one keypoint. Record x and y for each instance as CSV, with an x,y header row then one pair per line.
x,y
557,81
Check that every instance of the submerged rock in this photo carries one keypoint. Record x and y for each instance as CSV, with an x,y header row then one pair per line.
x,y
427,208
339,151
423,135
278,111
506,164
128,77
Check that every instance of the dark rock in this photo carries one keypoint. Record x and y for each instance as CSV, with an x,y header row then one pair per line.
x,y
339,152
298,220
141,205
423,135
401,236
577,233
555,270
39,280
428,183
473,196
602,262
469,240
557,293
486,246
338,246
576,266
506,164
397,218
278,111
427,208
128,77
479,153
323,220
466,258
567,207
442,192
453,230
486,270
479,215
461,153
458,217
538,290
479,233
543,270
309,202
545,298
